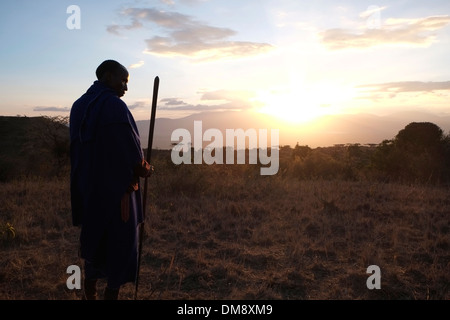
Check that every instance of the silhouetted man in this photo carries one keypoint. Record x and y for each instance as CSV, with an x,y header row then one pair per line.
x,y
106,163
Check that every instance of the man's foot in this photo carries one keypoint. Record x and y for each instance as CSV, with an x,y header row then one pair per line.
x,y
90,289
111,294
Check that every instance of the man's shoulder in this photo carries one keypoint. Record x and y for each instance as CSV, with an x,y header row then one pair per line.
x,y
115,104
115,101
79,107
116,109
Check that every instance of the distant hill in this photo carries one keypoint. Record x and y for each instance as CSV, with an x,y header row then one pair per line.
x,y
41,144
329,130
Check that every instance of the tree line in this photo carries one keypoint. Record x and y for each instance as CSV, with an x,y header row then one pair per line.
x,y
419,153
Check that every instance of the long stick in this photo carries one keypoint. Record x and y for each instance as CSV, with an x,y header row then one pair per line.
x,y
149,154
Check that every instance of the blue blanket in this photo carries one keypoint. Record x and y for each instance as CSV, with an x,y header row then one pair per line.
x,y
105,148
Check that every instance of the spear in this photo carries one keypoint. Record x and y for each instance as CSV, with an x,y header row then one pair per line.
x,y
144,200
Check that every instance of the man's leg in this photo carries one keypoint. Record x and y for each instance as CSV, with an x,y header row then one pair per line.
x,y
91,275
111,294
90,289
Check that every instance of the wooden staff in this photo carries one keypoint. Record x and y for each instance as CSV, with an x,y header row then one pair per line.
x,y
144,200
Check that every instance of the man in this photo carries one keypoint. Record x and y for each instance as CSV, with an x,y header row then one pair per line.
x,y
106,163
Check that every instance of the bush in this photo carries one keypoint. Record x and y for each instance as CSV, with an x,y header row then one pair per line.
x,y
419,153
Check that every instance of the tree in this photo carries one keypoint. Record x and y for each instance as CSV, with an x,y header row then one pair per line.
x,y
48,146
301,151
387,160
419,152
419,137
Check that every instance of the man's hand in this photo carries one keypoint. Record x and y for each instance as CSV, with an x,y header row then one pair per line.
x,y
144,169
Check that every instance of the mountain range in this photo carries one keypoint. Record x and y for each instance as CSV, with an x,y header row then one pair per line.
x,y
323,132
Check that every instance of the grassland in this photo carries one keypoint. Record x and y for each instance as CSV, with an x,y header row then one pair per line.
x,y
225,232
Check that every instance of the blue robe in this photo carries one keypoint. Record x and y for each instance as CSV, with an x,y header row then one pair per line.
x,y
105,148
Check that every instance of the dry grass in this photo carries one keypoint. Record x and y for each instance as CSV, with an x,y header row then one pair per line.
x,y
224,232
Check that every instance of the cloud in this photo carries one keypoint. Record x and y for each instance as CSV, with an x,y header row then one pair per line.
x,y
168,2
187,37
115,29
227,95
136,65
392,89
172,102
193,1
139,104
409,32
231,100
370,11
52,109
175,104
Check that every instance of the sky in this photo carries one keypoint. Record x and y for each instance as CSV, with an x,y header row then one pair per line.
x,y
290,59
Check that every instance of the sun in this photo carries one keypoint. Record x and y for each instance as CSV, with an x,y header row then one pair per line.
x,y
292,107
305,104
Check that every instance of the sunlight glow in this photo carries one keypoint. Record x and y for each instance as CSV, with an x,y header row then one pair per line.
x,y
302,104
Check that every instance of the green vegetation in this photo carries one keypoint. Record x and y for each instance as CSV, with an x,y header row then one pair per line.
x,y
7,231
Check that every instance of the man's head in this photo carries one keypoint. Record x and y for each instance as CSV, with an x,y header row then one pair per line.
x,y
114,75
